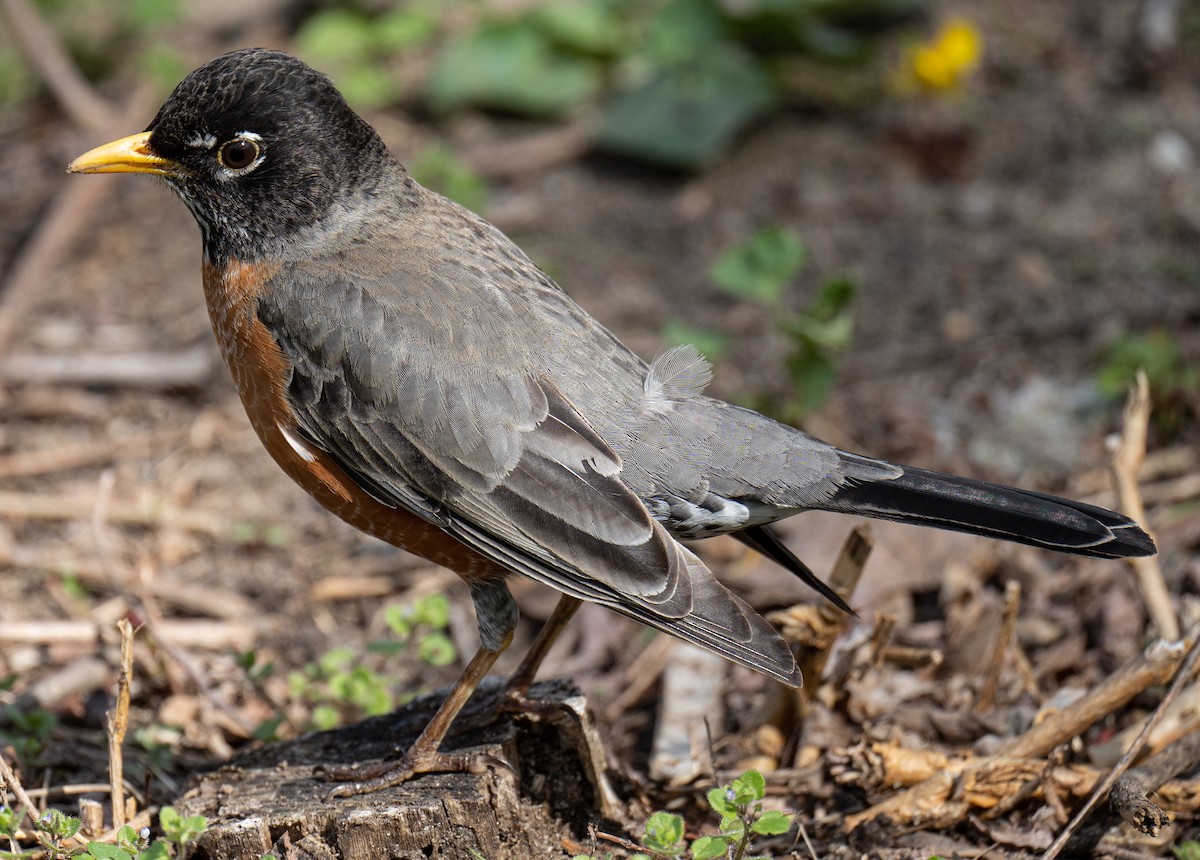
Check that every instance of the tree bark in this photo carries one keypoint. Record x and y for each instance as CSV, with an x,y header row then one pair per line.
x,y
272,800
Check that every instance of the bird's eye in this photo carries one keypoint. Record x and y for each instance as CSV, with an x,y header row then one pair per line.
x,y
238,154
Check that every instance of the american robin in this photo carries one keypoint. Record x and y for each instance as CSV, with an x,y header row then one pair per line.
x,y
412,369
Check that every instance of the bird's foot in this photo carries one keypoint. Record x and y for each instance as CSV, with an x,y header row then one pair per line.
x,y
366,779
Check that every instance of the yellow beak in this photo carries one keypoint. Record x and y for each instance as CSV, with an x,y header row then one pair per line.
x,y
128,155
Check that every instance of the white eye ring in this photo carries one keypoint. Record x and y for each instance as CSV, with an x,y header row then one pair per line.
x,y
241,154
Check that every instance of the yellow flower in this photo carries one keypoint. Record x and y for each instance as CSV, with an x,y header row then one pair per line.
x,y
946,60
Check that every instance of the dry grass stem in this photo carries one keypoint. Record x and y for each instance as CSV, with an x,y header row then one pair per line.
x,y
1125,459
118,724
41,506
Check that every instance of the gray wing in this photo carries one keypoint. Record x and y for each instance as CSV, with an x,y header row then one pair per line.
x,y
417,394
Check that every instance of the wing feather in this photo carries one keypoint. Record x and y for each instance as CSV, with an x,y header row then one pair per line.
x,y
498,457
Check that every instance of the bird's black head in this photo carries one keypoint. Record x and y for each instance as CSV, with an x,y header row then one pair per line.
x,y
258,145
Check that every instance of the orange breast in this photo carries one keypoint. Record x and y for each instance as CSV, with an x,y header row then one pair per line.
x,y
259,371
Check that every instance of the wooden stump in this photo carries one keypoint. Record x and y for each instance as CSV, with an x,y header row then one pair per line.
x,y
270,800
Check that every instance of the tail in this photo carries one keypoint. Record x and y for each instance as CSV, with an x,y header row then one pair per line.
x,y
942,501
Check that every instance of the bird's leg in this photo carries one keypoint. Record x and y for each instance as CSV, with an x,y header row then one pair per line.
x,y
496,613
516,693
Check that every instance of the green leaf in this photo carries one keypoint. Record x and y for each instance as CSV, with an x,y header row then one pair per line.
x,y
828,335
148,14
837,296
102,851
772,823
813,375
192,827
438,168
761,267
722,801
334,36
710,343
326,717
387,647
513,67
366,86
58,824
362,688
709,847
751,786
158,850
433,610
268,730
8,821
169,820
436,649
684,31
1157,353
336,660
404,28
664,833
685,115
398,618
733,827
1187,850
127,836
584,26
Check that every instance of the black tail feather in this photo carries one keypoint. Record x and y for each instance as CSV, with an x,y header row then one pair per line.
x,y
765,542
993,510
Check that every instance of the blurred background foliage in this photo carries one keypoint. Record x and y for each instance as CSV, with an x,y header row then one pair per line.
x,y
673,81
666,83
670,84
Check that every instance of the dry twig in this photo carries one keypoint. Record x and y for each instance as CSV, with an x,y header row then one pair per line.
x,y
1181,677
1129,793
943,798
118,724
12,784
1126,455
73,207
1182,718
45,53
817,628
39,506
24,464
177,632
189,368
1004,638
